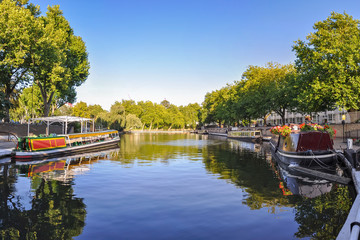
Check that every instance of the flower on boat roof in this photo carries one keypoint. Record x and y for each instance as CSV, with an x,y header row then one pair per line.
x,y
311,127
283,131
286,130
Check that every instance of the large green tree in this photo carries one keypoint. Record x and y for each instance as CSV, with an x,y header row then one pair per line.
x,y
269,88
18,31
328,64
59,59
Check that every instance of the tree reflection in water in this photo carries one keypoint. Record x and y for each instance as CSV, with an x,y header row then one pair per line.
x,y
54,212
321,207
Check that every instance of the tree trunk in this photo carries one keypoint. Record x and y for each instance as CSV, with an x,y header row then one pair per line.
x,y
7,103
7,111
46,109
47,102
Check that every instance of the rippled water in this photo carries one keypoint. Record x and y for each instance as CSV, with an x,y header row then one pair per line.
x,y
169,186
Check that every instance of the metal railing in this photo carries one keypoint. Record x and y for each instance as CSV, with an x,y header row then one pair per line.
x,y
353,134
8,137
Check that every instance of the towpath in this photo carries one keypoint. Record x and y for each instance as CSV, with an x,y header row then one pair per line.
x,y
6,148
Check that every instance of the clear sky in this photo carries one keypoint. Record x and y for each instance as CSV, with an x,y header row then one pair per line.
x,y
179,50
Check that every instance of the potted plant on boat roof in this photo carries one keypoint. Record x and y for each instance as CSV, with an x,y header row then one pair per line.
x,y
316,127
283,131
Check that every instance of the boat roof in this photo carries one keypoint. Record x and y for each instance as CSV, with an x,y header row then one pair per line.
x,y
55,119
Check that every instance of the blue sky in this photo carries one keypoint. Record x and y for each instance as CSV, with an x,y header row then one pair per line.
x,y
180,50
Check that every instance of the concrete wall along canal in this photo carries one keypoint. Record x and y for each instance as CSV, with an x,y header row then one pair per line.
x,y
21,129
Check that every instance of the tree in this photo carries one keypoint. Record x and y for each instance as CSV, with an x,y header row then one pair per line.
x,y
59,59
328,65
81,110
131,107
284,92
165,103
64,110
191,114
175,118
18,34
257,90
29,104
95,110
132,121
215,106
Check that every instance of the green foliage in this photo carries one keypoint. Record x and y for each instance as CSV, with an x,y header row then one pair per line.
x,y
261,91
29,104
17,36
132,122
59,59
64,110
81,110
328,64
130,115
42,50
165,103
217,106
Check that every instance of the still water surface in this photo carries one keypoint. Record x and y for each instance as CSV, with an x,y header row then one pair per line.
x,y
169,186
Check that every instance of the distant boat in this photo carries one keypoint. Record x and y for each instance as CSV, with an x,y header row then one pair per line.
x,y
254,136
312,148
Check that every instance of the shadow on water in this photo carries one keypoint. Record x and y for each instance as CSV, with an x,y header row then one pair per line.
x,y
49,209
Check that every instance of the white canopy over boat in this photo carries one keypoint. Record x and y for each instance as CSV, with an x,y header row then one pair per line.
x,y
64,120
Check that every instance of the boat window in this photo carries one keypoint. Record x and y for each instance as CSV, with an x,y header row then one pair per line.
x,y
289,143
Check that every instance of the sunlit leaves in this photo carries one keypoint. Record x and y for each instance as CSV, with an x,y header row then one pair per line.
x,y
328,64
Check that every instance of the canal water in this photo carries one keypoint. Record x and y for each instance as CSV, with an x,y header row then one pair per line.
x,y
169,186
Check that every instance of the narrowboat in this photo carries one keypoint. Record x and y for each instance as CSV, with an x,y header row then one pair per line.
x,y
308,149
217,131
47,146
44,147
246,136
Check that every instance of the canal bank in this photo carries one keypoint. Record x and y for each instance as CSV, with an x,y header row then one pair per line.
x,y
6,149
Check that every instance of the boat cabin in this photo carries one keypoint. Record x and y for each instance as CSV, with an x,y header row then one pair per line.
x,y
251,134
304,141
53,141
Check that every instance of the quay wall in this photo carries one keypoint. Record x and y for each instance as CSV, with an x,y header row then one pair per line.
x,y
21,129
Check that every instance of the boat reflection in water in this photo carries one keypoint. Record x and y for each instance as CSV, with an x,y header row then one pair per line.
x,y
62,169
304,186
240,145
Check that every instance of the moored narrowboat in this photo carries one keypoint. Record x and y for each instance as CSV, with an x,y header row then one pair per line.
x,y
247,136
308,148
51,145
35,148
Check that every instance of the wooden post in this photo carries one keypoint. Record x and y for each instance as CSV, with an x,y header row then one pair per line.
x,y
66,126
